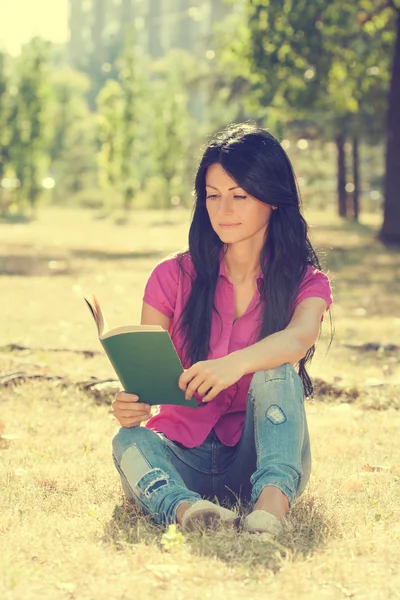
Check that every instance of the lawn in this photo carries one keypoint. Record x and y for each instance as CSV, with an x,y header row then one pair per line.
x,y
66,530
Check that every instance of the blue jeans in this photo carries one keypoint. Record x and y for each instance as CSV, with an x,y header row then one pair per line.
x,y
274,450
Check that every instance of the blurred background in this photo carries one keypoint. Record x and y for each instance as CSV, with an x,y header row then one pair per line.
x,y
104,104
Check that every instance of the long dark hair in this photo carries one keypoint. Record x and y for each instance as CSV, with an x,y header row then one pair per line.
x,y
259,165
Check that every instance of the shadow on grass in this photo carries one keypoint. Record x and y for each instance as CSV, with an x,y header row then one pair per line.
x,y
30,262
308,527
15,219
350,226
363,255
30,265
164,223
103,255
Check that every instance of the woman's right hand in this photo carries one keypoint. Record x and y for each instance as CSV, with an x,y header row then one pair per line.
x,y
129,411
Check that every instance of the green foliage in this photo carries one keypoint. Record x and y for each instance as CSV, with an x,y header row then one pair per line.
x,y
129,74
109,121
328,59
5,133
72,143
29,139
172,128
304,69
146,131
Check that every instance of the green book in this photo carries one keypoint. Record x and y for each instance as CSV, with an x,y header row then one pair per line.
x,y
144,359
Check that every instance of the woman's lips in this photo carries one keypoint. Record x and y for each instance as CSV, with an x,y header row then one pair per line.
x,y
227,225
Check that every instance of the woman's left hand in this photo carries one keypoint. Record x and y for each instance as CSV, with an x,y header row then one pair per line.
x,y
209,377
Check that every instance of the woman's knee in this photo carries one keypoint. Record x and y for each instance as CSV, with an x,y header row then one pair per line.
x,y
283,373
127,436
280,373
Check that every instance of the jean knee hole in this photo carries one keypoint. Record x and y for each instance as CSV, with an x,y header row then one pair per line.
x,y
275,415
152,481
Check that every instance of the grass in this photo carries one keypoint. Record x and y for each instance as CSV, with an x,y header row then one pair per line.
x,y
66,529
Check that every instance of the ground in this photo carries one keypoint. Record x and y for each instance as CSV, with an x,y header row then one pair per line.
x,y
66,530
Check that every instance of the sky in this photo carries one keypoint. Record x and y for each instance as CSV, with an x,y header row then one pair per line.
x,y
20,20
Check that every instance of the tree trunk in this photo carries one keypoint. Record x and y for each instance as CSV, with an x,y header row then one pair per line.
x,y
390,232
341,175
128,198
356,179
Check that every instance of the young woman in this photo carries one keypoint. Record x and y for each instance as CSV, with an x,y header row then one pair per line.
x,y
244,306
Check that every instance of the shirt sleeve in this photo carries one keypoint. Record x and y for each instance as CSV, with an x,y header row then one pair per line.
x,y
315,283
161,288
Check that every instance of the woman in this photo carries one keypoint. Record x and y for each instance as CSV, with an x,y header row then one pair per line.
x,y
243,306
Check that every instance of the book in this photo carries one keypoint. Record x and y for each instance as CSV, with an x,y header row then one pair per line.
x,y
144,359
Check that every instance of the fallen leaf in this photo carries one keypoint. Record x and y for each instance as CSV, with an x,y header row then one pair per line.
x,y
375,468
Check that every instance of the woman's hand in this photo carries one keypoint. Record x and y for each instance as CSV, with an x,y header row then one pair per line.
x,y
129,411
209,377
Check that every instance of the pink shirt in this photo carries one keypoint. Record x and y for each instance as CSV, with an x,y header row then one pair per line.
x,y
167,290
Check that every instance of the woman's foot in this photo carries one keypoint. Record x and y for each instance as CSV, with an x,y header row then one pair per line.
x,y
180,511
270,509
272,500
204,514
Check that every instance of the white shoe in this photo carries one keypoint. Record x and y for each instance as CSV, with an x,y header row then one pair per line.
x,y
260,521
206,514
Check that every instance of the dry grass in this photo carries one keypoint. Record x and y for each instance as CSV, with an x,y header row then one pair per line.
x,y
66,530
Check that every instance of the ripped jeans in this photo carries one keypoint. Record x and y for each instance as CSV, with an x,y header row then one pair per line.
x,y
274,450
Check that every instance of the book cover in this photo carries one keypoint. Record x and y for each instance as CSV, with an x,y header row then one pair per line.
x,y
144,359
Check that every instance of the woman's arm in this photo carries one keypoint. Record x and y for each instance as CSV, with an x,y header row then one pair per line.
x,y
209,377
152,316
289,345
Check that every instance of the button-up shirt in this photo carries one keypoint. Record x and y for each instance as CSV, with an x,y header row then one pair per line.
x,y
167,290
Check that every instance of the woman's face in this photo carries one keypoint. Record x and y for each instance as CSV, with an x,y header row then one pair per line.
x,y
235,215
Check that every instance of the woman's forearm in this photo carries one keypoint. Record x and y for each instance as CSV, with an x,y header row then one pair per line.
x,y
275,350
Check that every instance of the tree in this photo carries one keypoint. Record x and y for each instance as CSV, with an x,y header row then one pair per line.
x,y
390,231
72,144
127,73
29,135
109,120
322,61
5,112
172,127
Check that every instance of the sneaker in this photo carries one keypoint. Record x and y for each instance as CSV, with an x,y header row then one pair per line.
x,y
204,513
260,521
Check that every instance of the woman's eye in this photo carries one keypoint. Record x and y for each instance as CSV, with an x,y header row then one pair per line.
x,y
236,196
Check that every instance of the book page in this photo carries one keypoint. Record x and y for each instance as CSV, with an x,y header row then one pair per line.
x,y
96,311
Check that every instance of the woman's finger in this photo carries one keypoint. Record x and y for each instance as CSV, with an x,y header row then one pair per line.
x,y
123,396
132,414
193,385
212,393
130,405
205,386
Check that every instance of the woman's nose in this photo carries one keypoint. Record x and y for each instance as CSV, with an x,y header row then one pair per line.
x,y
225,205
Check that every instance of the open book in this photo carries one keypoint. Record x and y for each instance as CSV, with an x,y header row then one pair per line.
x,y
144,358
